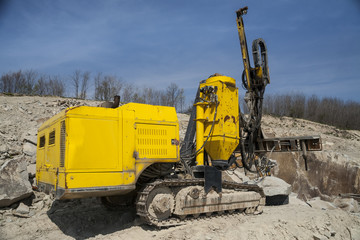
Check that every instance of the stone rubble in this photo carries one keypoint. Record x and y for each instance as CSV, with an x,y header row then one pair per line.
x,y
14,182
22,209
347,204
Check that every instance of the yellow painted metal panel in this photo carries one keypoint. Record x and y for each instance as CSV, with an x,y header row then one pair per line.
x,y
92,144
48,156
129,178
61,180
40,156
99,146
152,113
47,175
53,149
98,179
128,122
224,137
93,112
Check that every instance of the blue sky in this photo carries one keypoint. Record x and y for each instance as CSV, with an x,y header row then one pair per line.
x,y
313,46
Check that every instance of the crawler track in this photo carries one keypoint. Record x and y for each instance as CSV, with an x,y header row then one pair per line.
x,y
142,203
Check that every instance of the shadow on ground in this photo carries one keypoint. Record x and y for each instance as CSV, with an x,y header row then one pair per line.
x,y
85,218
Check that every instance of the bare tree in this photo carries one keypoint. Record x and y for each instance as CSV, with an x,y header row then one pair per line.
x,y
312,105
97,81
75,79
268,104
156,98
19,81
152,96
6,83
107,87
332,111
174,95
148,95
30,78
128,93
181,100
138,98
297,109
55,86
164,101
40,86
84,84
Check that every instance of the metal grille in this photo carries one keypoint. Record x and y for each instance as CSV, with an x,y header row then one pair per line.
x,y
52,138
153,141
62,144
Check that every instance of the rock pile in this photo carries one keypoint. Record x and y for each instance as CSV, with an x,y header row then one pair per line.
x,y
14,182
20,118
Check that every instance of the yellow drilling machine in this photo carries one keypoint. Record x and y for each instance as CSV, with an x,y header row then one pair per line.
x,y
132,154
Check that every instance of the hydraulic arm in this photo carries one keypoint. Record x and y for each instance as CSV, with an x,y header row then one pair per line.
x,y
254,80
257,77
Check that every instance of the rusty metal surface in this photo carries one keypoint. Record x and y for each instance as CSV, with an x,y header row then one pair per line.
x,y
289,144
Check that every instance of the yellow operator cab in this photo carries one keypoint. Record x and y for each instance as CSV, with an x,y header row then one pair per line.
x,y
94,151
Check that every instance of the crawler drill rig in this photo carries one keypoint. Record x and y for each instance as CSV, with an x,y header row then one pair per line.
x,y
254,81
131,154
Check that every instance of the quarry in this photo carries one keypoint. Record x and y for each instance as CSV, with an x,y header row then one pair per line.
x,y
322,203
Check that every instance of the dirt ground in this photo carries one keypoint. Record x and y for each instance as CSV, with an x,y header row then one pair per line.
x,y
88,219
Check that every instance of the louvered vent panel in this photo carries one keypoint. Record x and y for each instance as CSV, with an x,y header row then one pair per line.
x,y
62,144
154,141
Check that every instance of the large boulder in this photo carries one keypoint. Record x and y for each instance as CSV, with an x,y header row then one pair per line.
x,y
29,149
274,186
276,190
14,182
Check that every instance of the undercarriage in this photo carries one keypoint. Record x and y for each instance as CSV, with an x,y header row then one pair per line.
x,y
171,202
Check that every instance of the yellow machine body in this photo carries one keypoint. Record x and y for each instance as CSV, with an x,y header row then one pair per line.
x,y
93,151
217,118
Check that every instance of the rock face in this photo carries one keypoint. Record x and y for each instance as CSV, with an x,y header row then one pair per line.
x,y
14,183
328,174
334,170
